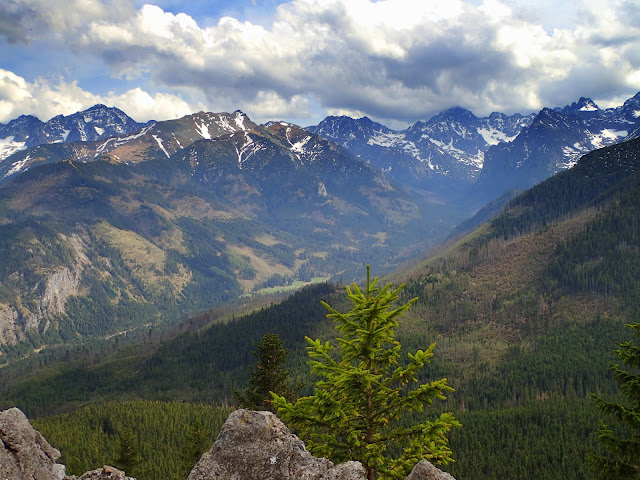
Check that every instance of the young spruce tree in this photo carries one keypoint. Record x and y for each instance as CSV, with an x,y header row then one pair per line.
x,y
129,458
622,458
356,410
270,375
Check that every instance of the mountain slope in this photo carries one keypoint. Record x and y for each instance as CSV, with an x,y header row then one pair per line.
x,y
116,243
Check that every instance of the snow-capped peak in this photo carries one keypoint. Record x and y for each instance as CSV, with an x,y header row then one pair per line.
x,y
587,105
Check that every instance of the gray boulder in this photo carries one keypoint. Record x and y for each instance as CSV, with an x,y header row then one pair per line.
x,y
104,473
258,446
424,470
24,453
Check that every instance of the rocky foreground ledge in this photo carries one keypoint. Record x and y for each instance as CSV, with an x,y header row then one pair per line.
x,y
251,446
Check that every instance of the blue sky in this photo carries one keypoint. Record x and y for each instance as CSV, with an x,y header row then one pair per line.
x,y
396,61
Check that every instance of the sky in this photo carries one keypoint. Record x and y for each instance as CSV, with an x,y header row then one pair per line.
x,y
395,61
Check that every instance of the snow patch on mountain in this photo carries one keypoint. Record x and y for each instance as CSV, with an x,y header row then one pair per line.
x,y
224,123
17,166
589,106
117,141
203,130
387,139
494,136
322,189
299,147
159,141
9,147
247,150
240,121
414,151
463,157
572,154
607,137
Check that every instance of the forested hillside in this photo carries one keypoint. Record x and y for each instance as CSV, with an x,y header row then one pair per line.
x,y
164,436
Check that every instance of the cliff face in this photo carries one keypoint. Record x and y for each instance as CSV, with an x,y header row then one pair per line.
x,y
40,292
24,453
59,285
251,446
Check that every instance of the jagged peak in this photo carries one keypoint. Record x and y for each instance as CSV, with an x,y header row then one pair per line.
x,y
632,102
584,104
548,116
99,106
636,97
364,120
496,115
456,112
25,118
547,112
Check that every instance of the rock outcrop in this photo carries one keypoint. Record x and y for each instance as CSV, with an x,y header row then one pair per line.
x,y
424,470
24,453
104,473
257,445
251,446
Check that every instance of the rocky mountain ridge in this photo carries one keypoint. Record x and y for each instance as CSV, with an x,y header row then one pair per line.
x,y
95,123
498,152
450,145
157,139
555,141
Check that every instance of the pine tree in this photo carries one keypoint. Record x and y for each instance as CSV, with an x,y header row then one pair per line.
x,y
197,442
622,444
270,375
129,458
356,411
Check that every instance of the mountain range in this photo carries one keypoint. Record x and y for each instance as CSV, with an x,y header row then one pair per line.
x,y
104,236
450,145
95,123
495,153
109,224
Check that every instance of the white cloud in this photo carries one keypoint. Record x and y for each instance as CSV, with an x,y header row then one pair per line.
x,y
268,105
392,59
141,105
45,99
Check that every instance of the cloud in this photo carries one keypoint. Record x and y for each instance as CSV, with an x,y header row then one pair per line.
x,y
45,99
394,59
